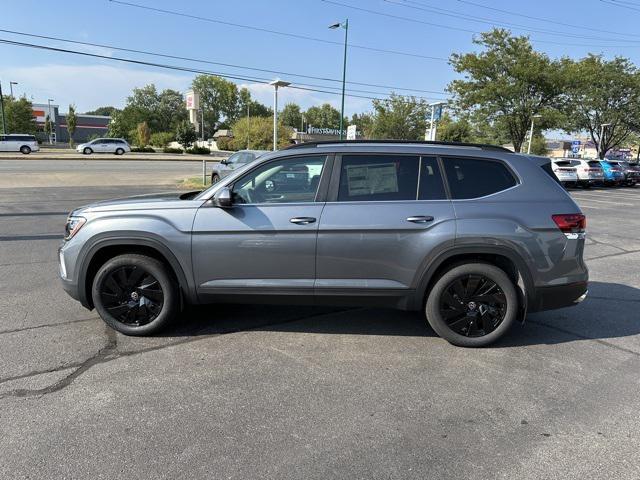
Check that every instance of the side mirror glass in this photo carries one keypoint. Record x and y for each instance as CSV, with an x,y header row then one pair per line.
x,y
224,198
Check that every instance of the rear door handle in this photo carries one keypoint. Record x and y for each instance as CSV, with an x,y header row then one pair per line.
x,y
302,220
420,219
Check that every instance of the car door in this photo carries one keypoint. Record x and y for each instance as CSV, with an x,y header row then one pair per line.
x,y
265,242
385,218
101,146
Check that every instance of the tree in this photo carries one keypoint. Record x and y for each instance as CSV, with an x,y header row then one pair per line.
x,y
72,121
603,92
539,145
398,118
185,134
363,123
218,99
103,111
291,115
143,134
324,116
258,132
450,130
246,105
509,81
19,115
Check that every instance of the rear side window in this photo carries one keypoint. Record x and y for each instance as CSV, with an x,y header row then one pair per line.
x,y
378,178
473,178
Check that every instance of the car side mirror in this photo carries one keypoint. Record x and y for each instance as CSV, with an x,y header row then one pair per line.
x,y
223,162
224,198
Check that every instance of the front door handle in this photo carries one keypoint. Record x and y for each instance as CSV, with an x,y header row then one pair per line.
x,y
420,219
302,220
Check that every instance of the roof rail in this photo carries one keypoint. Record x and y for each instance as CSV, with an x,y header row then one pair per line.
x,y
483,146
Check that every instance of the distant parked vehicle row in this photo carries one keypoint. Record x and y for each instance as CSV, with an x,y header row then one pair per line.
x,y
22,143
119,146
572,172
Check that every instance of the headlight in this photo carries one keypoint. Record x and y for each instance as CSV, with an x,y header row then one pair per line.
x,y
74,224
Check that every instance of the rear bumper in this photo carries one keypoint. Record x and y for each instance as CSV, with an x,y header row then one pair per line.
x,y
550,298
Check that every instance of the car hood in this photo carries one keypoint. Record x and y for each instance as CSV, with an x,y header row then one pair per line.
x,y
152,201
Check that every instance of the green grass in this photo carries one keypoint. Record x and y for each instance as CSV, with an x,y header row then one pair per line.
x,y
193,183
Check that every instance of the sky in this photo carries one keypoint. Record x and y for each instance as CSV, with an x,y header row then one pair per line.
x,y
209,31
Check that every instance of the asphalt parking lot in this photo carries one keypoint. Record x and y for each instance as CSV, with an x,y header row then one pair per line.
x,y
290,392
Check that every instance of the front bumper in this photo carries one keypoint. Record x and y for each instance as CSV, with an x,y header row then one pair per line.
x,y
550,298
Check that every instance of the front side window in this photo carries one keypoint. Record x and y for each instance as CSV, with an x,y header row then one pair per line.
x,y
378,178
288,180
474,178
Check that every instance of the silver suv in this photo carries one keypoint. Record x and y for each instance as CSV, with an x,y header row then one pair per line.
x,y
474,236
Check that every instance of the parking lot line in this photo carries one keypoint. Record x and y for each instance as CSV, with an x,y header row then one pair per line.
x,y
609,202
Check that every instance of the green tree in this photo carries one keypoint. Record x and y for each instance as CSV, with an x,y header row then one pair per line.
x,y
259,132
186,134
246,104
509,81
398,118
72,121
291,115
539,145
363,123
19,115
143,134
603,92
454,130
162,139
218,99
324,116
103,111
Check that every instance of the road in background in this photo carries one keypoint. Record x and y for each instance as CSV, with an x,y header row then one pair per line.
x,y
293,392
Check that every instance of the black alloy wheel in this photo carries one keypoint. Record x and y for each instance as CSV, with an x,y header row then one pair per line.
x,y
132,295
473,305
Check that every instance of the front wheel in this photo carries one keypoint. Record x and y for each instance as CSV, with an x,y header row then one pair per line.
x,y
87,151
472,305
135,294
215,178
25,150
119,151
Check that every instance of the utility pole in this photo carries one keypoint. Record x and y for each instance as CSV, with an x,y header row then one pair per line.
x,y
531,133
51,121
344,25
248,123
4,118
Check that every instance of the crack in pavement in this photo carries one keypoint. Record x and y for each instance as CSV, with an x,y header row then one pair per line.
x,y
110,352
626,252
35,327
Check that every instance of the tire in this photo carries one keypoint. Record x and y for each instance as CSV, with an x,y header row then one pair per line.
x,y
87,151
215,178
119,151
440,302
25,150
156,302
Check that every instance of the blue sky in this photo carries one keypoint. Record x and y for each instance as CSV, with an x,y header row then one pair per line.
x,y
91,82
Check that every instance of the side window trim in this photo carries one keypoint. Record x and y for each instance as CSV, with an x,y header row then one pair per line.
x,y
442,160
320,196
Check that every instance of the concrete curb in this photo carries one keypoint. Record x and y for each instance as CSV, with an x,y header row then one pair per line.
x,y
123,158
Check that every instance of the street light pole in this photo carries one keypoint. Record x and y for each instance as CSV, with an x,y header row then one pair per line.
x,y
11,84
49,100
531,133
433,125
248,124
276,83
344,25
4,118
601,142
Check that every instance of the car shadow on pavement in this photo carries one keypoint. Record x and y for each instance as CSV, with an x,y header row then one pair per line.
x,y
609,311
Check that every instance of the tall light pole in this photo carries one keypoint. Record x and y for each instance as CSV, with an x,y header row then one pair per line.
x,y
276,83
248,123
4,118
344,25
602,127
434,124
51,123
11,84
531,132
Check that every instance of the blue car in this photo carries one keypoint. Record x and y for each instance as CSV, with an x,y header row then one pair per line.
x,y
613,175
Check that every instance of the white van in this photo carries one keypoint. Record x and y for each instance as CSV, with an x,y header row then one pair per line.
x,y
17,142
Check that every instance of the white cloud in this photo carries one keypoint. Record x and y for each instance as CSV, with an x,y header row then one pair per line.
x,y
88,86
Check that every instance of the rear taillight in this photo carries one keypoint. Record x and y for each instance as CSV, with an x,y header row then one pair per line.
x,y
571,224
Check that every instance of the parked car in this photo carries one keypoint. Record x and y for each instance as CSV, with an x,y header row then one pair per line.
x,y
565,171
235,161
589,171
473,236
22,143
631,172
119,146
613,175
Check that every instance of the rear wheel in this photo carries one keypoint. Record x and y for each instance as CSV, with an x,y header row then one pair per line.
x,y
87,151
135,294
472,305
25,150
215,178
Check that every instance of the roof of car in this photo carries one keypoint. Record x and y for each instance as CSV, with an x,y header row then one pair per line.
x,y
346,143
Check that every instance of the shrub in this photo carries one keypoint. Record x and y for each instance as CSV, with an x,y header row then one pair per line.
x,y
198,150
185,134
162,139
171,150
224,143
142,149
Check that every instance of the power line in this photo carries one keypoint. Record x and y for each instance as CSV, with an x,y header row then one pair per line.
x,y
176,57
185,69
627,5
470,18
274,32
466,30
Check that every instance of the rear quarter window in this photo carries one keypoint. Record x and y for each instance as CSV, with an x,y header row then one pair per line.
x,y
474,178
